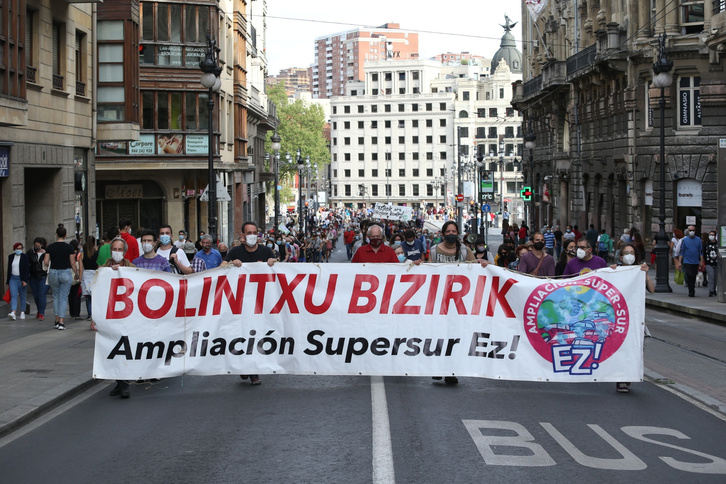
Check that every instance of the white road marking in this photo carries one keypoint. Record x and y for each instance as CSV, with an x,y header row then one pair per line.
x,y
383,471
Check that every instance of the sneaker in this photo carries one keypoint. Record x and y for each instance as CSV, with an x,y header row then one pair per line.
x,y
255,380
116,391
55,326
451,380
22,315
244,377
41,317
622,387
11,315
61,326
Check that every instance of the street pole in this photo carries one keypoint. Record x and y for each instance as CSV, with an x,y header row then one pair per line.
x,y
210,79
300,167
662,79
276,148
459,185
529,143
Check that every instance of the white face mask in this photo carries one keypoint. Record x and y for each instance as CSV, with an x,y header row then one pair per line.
x,y
712,238
117,256
629,259
251,240
147,247
581,253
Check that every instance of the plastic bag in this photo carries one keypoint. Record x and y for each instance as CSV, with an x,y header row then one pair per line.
x,y
678,277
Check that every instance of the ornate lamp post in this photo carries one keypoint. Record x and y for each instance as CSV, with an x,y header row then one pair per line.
x,y
276,148
529,143
210,79
662,78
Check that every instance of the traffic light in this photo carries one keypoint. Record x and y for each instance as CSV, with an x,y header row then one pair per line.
x,y
526,194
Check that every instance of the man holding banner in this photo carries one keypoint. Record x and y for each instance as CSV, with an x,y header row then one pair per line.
x,y
375,250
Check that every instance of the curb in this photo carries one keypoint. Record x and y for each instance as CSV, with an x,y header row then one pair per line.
x,y
677,309
710,402
30,410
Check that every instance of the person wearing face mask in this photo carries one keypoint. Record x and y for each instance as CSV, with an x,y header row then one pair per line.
x,y
628,257
38,276
569,252
250,251
119,247
133,246
537,262
585,262
412,247
710,258
691,258
400,252
17,280
482,251
211,256
151,260
375,250
174,253
569,234
451,249
223,249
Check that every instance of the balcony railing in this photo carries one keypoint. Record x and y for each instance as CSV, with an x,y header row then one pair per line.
x,y
80,88
57,82
532,86
719,6
581,60
30,73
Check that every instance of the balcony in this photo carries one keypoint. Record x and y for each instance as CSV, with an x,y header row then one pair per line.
x,y
30,73
532,87
554,74
80,88
57,82
580,61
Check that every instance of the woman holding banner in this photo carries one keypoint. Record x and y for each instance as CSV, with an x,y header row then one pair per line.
x,y
451,249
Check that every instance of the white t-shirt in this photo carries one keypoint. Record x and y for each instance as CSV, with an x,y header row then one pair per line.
x,y
180,256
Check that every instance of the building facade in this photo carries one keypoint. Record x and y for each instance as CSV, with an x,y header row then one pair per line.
x,y
340,58
588,97
413,148
296,80
47,79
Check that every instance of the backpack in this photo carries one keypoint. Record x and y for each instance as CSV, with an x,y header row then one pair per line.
x,y
174,268
602,244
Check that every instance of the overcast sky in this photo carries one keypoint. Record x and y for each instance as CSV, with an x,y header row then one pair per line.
x,y
454,26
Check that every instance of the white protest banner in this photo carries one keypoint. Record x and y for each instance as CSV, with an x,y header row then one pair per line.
x,y
384,211
370,319
535,7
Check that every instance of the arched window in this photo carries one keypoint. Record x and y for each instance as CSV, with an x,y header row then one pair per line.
x,y
463,114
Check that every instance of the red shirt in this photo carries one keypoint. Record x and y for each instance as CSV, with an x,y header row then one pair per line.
x,y
349,237
365,254
133,246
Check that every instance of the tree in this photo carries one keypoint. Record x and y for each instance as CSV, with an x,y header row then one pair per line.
x,y
302,127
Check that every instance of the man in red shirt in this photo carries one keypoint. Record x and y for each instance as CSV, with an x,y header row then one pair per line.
x,y
132,244
349,239
375,250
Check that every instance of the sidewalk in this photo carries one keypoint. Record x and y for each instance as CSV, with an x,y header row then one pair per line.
x,y
41,368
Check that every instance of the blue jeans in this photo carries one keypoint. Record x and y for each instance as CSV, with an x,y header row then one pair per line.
x,y
40,293
17,289
60,281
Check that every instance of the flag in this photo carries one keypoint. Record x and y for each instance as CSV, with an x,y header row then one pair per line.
x,y
535,8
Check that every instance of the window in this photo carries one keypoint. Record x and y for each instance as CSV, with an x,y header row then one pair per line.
x,y
360,109
346,109
401,140
429,190
360,140
501,93
58,59
346,125
402,190
360,124
374,77
492,112
402,156
387,108
374,124
510,112
374,140
429,107
430,155
374,172
442,138
429,123
415,172
414,75
361,157
481,132
492,131
689,101
388,190
509,132
401,76
374,108
346,156
692,16
346,141
173,34
388,76
464,131
429,172
429,139
361,172
401,123
402,172
374,156
465,96
111,93
414,123
31,45
401,90
335,109
415,190
387,172
346,173
81,64
387,140
414,107
442,106
347,190
401,108
414,156
481,113
387,123
414,140
374,190
442,123
442,155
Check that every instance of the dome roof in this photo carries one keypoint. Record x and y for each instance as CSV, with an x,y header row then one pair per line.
x,y
508,50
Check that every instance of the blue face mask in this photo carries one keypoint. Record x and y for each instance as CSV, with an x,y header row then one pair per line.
x,y
165,239
401,258
18,252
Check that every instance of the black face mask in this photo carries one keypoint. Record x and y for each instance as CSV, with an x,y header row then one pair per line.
x,y
223,254
539,245
451,238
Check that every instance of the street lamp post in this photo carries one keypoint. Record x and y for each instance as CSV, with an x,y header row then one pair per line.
x,y
300,168
276,148
530,144
662,78
210,79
